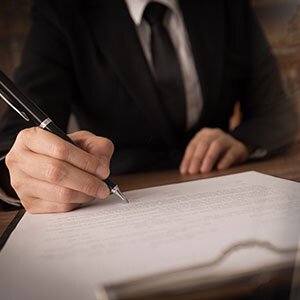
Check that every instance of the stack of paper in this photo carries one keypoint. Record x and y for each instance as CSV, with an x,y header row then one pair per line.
x,y
66,256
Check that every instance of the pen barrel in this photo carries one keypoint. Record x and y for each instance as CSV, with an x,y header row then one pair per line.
x,y
51,127
34,113
109,183
23,103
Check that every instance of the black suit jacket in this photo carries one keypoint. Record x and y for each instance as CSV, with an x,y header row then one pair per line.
x,y
85,57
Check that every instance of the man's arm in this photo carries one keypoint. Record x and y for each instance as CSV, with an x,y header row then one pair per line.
x,y
269,119
269,116
47,173
44,75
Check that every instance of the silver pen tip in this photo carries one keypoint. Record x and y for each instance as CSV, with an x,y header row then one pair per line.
x,y
118,193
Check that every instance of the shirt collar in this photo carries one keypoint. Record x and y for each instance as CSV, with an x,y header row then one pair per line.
x,y
136,8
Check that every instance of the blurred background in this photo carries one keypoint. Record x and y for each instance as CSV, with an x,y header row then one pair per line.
x,y
280,20
14,26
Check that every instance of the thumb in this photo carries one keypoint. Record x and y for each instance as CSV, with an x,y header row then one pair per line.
x,y
100,147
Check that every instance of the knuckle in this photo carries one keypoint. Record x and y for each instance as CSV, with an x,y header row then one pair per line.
x,y
201,144
55,172
218,130
109,145
193,143
60,151
195,159
89,164
65,195
206,131
200,133
15,183
28,207
25,134
217,144
10,159
66,207
90,187
85,132
205,144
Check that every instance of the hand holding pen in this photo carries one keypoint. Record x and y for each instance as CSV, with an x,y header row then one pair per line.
x,y
48,171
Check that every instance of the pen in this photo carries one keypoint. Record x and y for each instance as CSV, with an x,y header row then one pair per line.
x,y
29,111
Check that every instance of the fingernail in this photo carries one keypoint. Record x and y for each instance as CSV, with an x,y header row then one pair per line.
x,y
103,169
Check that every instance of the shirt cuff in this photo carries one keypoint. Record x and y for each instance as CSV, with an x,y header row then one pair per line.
x,y
258,153
9,200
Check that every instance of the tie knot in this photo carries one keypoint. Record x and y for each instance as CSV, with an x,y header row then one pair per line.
x,y
154,13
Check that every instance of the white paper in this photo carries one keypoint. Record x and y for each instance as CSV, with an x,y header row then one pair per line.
x,y
65,256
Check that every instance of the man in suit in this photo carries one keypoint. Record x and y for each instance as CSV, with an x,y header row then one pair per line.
x,y
158,79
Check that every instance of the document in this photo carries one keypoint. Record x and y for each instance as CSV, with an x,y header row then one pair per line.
x,y
165,228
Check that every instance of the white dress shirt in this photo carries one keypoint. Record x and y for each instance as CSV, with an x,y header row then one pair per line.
x,y
174,24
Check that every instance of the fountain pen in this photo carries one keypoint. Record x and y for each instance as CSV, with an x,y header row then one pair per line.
x,y
30,112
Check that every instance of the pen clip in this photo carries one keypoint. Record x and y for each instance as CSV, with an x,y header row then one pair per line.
x,y
21,113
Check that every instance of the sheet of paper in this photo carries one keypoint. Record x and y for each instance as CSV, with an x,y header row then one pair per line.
x,y
65,256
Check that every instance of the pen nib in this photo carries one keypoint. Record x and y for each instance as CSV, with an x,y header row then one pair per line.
x,y
118,193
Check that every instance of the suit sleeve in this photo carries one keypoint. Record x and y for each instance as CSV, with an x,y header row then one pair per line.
x,y
269,118
44,74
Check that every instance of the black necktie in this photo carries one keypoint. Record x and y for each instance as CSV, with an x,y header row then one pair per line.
x,y
166,67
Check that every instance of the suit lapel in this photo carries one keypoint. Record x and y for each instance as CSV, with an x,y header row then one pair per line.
x,y
204,22
116,36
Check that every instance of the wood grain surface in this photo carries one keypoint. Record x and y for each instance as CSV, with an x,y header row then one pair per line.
x,y
285,166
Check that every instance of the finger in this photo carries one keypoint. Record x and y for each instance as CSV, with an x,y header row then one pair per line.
x,y
36,206
203,137
198,156
46,143
216,149
185,163
61,173
33,188
98,146
232,156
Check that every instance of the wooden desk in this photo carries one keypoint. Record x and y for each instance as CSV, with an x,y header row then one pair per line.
x,y
285,166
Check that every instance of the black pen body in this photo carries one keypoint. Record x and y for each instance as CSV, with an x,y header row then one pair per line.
x,y
31,112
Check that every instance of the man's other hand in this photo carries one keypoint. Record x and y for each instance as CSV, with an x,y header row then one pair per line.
x,y
212,147
52,175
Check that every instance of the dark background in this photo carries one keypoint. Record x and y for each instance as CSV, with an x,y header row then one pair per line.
x,y
280,20
14,26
